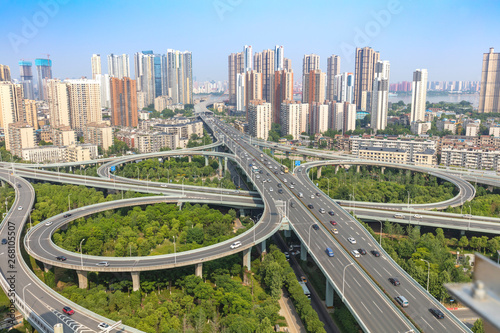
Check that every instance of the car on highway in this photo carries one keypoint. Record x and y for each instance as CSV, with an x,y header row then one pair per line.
x,y
67,310
335,231
287,255
20,208
257,176
236,245
329,252
310,206
162,185
375,253
299,169
4,241
280,191
417,216
284,180
351,240
322,210
332,222
355,253
66,215
282,173
19,185
292,204
312,196
437,313
271,189
61,258
315,227
291,186
102,326
362,251
279,185
332,213
303,279
394,281
48,224
102,264
317,194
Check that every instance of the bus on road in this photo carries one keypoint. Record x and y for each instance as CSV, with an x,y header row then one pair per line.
x,y
255,168
284,169
305,289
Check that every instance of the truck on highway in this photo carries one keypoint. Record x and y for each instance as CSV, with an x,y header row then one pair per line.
x,y
305,289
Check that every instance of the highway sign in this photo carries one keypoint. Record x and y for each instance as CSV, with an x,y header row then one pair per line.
x,y
113,168
297,163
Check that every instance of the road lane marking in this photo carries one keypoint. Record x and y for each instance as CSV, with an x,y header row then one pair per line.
x,y
378,307
386,270
366,308
410,294
377,272
432,328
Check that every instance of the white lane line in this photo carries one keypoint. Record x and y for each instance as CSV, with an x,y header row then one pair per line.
x,y
386,270
357,282
432,328
357,233
377,272
378,307
366,308
363,238
370,244
410,294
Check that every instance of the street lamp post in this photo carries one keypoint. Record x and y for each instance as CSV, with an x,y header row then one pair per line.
x,y
343,280
408,199
69,202
380,232
24,297
81,253
328,187
175,255
428,272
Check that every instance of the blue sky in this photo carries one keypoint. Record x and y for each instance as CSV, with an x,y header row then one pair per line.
x,y
446,37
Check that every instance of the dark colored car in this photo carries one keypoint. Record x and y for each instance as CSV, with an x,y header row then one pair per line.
x,y
292,205
317,194
362,251
332,222
292,183
67,215
332,213
310,206
315,227
4,241
279,184
275,172
19,185
394,281
375,253
61,258
437,313
67,310
280,191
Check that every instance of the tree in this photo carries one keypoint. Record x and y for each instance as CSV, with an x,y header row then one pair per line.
x,y
463,242
265,326
478,326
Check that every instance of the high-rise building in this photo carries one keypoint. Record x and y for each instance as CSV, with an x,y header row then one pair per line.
x,y
104,80
282,91
145,75
366,58
292,114
235,66
344,88
95,62
319,117
99,134
313,87
5,73
418,95
264,63
58,100
44,71
25,68
380,96
489,96
181,81
124,102
119,66
348,119
333,69
253,87
240,93
248,58
11,106
29,114
84,102
310,63
279,54
259,119
21,135
287,64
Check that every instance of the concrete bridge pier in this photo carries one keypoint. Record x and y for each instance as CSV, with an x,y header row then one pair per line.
x,y
198,271
263,247
189,158
382,170
47,267
136,282
304,157
358,168
287,154
179,204
303,252
329,295
247,258
225,164
242,212
318,174
206,160
220,167
70,168
337,169
83,282
288,233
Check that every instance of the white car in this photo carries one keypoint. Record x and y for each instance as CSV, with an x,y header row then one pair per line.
x,y
48,224
291,186
417,216
257,176
162,185
284,180
335,231
103,263
355,253
351,240
270,189
236,245
102,326
312,196
20,208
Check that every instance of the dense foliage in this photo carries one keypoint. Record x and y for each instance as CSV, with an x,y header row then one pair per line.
x,y
485,203
392,186
149,231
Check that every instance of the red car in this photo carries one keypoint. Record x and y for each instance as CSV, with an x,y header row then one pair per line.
x,y
333,222
67,310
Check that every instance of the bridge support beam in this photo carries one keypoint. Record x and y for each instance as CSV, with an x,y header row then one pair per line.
x,y
263,247
83,282
247,258
337,169
206,160
136,282
189,158
288,233
225,164
220,167
358,168
382,170
303,252
198,271
304,157
318,174
329,295
242,212
47,267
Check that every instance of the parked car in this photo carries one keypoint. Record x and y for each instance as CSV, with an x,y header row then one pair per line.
x,y
4,241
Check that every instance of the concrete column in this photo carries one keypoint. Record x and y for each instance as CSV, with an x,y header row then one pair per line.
x,y
247,258
263,247
47,267
206,160
358,168
303,252
287,154
242,212
304,157
383,169
168,158
136,283
189,158
179,204
198,271
462,232
318,175
288,233
70,169
336,169
83,283
329,295
225,164
220,167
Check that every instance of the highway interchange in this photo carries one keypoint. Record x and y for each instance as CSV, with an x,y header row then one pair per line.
x,y
365,277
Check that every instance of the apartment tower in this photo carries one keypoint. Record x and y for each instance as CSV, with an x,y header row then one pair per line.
x,y
489,96
5,73
123,102
380,96
95,62
44,71
282,91
235,63
26,71
366,59
418,95
332,70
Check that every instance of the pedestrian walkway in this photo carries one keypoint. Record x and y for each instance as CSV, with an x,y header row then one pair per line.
x,y
287,310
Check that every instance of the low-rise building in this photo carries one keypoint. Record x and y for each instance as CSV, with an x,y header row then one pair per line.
x,y
21,135
162,102
389,155
446,125
63,136
472,158
44,154
80,153
98,134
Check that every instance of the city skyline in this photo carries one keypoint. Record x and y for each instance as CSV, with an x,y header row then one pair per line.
x,y
378,26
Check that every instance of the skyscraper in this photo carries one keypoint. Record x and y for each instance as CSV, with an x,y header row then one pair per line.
x,y
264,63
84,102
366,58
309,63
58,100
344,87
11,106
489,96
235,66
248,58
291,117
418,95
240,93
145,75
5,73
287,64
105,90
96,65
119,66
253,87
44,71
333,69
282,91
380,96
279,54
124,102
319,113
313,87
259,118
179,76
30,113
25,68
